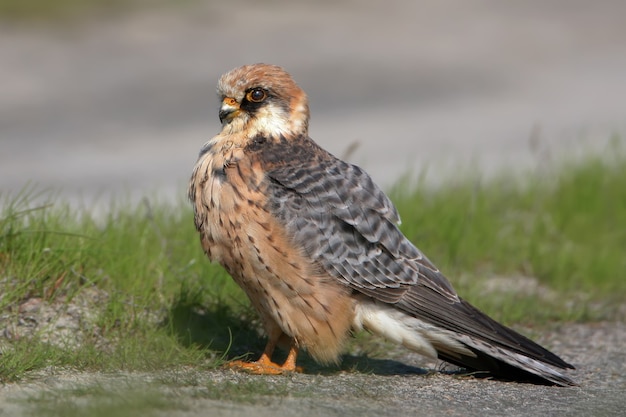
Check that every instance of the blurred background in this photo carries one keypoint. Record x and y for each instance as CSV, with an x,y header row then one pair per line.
x,y
102,98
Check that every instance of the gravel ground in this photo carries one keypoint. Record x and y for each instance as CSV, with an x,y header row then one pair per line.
x,y
391,388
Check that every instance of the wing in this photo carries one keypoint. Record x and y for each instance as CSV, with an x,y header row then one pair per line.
x,y
346,224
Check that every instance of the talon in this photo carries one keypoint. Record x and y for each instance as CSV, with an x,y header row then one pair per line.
x,y
257,367
265,366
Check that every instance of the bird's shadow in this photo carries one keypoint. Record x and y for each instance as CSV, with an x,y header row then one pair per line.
x,y
234,335
217,328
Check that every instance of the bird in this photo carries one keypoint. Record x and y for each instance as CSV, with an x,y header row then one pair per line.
x,y
315,245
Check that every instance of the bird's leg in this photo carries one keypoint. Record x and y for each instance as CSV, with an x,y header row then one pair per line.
x,y
290,363
264,365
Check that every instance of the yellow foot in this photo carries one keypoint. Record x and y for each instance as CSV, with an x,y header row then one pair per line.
x,y
263,367
257,368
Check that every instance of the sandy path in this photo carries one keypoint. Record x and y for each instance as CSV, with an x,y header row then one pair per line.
x,y
124,105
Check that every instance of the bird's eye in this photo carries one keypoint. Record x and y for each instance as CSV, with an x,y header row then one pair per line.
x,y
257,95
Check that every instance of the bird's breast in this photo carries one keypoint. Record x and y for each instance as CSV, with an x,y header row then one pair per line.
x,y
237,229
225,190
229,193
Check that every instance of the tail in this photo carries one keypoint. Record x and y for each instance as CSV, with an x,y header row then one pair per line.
x,y
510,366
480,343
488,359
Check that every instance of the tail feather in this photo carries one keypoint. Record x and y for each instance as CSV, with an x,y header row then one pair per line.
x,y
496,348
506,365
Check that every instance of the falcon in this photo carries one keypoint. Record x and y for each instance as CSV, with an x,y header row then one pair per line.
x,y
316,247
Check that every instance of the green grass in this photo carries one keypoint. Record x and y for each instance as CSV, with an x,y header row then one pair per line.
x,y
565,228
163,305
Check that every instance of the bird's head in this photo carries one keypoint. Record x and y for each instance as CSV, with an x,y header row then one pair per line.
x,y
263,99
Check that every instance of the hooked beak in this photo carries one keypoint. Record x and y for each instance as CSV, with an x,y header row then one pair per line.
x,y
228,110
